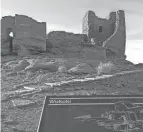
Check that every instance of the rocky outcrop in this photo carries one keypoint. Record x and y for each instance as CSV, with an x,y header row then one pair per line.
x,y
116,43
50,66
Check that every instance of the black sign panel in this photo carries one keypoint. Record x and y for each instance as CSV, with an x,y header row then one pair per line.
x,y
92,114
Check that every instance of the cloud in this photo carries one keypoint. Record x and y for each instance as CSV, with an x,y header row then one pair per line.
x,y
132,1
134,51
134,26
135,34
5,12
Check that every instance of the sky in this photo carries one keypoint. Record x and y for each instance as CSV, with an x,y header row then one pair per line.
x,y
67,15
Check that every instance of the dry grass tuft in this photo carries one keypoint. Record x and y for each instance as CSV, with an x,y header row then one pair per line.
x,y
105,68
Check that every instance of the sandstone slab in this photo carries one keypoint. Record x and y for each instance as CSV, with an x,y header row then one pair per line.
x,y
21,65
21,103
81,69
50,66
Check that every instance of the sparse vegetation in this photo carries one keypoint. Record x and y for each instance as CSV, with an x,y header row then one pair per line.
x,y
14,86
105,68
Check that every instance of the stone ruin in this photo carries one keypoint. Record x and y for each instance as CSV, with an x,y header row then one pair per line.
x,y
100,39
28,35
107,33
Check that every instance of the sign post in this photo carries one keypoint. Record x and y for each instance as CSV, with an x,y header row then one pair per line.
x,y
94,113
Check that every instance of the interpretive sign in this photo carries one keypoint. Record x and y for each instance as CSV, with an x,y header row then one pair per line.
x,y
92,114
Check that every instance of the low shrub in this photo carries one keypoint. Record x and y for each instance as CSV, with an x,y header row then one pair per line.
x,y
105,68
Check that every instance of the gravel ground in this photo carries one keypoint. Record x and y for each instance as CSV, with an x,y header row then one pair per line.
x,y
25,118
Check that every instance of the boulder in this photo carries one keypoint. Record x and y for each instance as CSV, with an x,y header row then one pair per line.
x,y
82,68
71,62
22,103
21,65
50,66
62,69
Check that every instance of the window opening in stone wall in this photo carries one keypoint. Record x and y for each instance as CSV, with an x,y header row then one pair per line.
x,y
10,36
100,29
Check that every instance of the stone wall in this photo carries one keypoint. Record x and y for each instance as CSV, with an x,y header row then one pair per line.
x,y
94,53
65,44
96,27
70,45
29,33
116,43
108,33
101,39
7,26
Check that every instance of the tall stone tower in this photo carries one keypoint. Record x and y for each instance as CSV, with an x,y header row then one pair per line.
x,y
109,33
96,27
117,41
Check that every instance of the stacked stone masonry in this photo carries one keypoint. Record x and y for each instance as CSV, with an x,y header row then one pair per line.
x,y
96,27
100,39
7,26
109,33
65,44
116,42
74,45
26,31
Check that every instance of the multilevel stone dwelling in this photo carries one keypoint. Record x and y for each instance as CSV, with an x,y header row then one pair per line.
x,y
108,33
100,38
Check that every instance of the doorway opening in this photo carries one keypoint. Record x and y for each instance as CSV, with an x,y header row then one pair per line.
x,y
10,36
100,29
